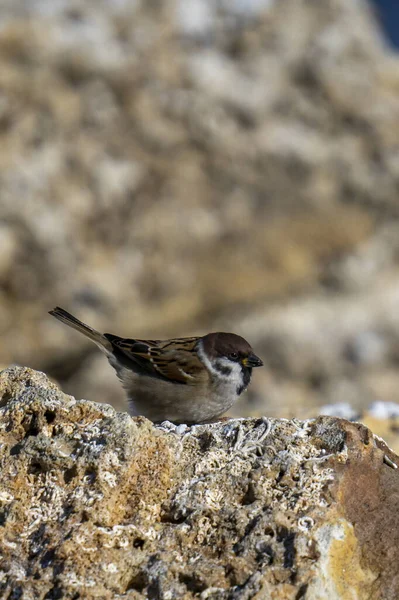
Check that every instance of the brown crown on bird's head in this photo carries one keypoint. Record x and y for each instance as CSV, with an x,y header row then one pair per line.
x,y
232,347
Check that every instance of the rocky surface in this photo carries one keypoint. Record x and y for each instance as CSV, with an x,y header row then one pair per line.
x,y
175,167
96,504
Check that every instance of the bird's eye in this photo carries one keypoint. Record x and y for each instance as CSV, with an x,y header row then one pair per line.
x,y
233,355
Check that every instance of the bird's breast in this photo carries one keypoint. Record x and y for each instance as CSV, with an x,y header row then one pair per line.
x,y
160,400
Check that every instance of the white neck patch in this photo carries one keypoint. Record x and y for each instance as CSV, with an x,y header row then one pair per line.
x,y
232,371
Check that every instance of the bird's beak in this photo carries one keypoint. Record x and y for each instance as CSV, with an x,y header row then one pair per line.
x,y
252,361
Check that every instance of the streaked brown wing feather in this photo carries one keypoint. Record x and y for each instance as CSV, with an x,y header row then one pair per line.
x,y
183,366
175,360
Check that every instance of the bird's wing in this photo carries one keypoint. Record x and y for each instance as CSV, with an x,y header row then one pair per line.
x,y
174,360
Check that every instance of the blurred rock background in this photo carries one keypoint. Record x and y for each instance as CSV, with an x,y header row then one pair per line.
x,y
171,168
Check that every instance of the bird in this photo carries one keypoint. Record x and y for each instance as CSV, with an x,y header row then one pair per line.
x,y
189,380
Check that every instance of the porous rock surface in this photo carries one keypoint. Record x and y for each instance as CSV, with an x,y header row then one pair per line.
x,y
96,504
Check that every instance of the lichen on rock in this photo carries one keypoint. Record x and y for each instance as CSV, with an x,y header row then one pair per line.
x,y
97,504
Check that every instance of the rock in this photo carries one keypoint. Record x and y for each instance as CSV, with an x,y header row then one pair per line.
x,y
96,504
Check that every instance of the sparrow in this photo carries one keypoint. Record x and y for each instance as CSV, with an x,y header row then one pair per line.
x,y
184,380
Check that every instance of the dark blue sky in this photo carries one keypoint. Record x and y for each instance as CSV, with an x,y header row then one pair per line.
x,y
388,13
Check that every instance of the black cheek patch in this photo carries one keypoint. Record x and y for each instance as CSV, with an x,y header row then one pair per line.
x,y
222,369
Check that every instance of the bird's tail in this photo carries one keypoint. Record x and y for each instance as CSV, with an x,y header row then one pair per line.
x,y
95,336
